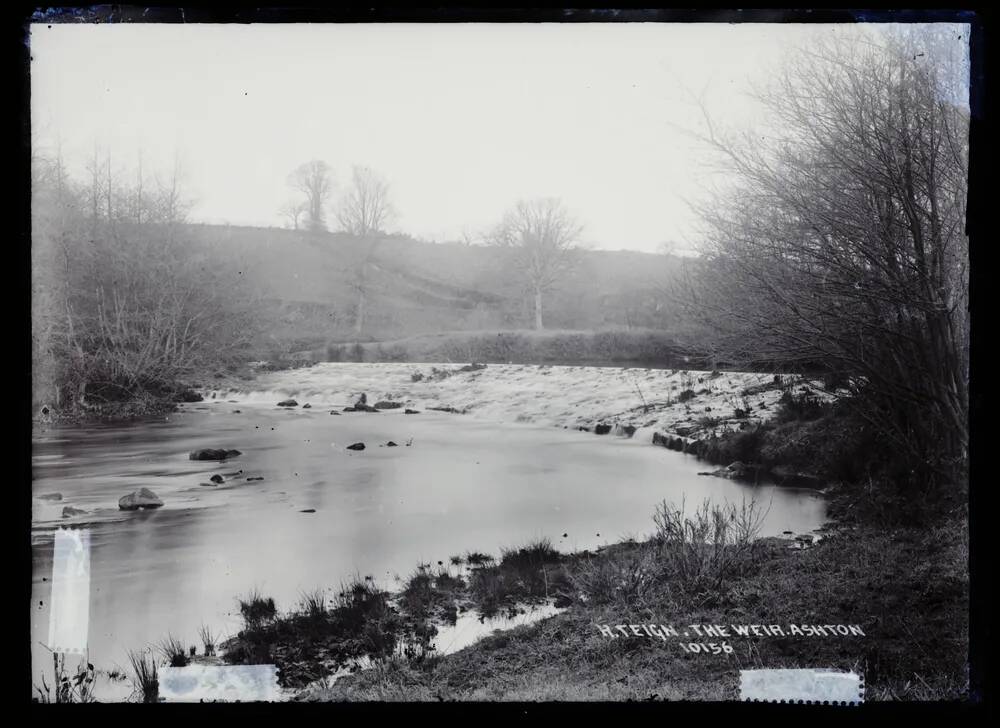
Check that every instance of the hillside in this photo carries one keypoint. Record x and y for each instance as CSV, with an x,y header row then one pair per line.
x,y
306,282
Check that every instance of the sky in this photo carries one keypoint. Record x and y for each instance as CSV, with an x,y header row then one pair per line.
x,y
463,120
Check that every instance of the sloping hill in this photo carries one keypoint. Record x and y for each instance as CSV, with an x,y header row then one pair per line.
x,y
308,283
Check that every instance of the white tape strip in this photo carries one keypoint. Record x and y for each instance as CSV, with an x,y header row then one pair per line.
x,y
69,603
828,687
228,683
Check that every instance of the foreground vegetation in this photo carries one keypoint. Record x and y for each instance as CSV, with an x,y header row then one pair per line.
x,y
905,588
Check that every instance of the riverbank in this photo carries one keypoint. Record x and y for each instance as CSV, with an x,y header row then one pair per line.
x,y
892,606
905,591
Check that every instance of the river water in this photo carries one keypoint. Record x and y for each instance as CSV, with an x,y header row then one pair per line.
x,y
453,484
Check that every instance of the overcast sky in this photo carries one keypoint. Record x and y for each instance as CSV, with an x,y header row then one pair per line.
x,y
462,119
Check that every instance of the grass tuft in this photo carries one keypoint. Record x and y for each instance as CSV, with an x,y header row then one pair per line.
x,y
145,676
173,651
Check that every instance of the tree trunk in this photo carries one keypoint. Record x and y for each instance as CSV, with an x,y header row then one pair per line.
x,y
359,318
538,310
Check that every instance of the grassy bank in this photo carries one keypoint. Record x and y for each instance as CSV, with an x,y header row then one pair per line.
x,y
903,592
905,589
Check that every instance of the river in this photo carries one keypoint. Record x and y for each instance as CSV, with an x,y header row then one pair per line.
x,y
454,483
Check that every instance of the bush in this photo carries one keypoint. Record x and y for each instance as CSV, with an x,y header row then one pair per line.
x,y
623,578
701,551
173,652
257,610
804,406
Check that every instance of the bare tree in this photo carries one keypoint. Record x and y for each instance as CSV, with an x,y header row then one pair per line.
x,y
170,204
364,211
365,208
541,237
293,212
125,309
314,180
841,243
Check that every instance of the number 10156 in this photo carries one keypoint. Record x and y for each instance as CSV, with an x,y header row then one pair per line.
x,y
710,648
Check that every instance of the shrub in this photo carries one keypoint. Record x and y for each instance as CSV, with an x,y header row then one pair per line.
x,y
208,639
312,604
173,651
620,578
257,610
701,551
804,406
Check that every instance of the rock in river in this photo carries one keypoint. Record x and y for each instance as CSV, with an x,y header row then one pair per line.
x,y
217,478
70,511
386,404
602,429
142,498
306,406
356,446
213,454
288,403
360,407
411,412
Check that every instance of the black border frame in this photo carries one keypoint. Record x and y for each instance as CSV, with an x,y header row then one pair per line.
x,y
981,492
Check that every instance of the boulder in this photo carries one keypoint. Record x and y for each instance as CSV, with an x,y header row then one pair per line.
x,y
335,412
189,395
308,510
213,454
628,430
70,511
356,446
602,429
386,404
307,406
411,412
391,444
739,469
360,408
140,499
217,479
288,403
